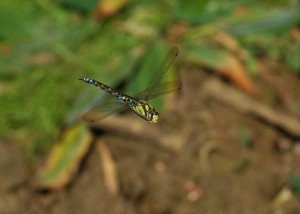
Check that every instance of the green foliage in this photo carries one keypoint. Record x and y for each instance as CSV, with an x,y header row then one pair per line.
x,y
274,21
293,55
204,11
245,136
294,181
270,33
45,46
87,5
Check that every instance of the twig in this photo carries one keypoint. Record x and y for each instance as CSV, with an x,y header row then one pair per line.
x,y
109,169
244,104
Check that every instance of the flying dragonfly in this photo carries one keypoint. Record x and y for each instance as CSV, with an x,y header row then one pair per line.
x,y
139,104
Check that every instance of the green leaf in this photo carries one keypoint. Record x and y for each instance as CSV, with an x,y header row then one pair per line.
x,y
265,22
295,183
15,20
293,56
201,12
64,158
245,136
85,5
212,57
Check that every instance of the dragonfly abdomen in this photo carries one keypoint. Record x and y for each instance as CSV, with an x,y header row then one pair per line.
x,y
128,100
100,85
103,87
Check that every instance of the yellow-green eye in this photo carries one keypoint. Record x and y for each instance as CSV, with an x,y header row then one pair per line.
x,y
155,118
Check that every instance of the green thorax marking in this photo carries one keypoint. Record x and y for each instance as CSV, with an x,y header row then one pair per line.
x,y
145,111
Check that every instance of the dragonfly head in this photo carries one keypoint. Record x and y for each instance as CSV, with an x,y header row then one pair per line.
x,y
152,115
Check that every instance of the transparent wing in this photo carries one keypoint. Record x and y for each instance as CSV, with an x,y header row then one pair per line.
x,y
156,79
161,89
103,110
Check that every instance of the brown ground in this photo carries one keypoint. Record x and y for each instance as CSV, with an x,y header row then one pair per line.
x,y
205,168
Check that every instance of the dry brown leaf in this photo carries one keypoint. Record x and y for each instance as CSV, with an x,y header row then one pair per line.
x,y
284,196
109,7
41,59
230,43
241,10
235,71
5,48
224,63
109,169
296,34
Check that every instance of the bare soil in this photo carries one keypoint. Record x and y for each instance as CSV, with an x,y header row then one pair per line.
x,y
205,168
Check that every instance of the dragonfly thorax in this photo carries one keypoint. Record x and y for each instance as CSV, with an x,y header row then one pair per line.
x,y
146,111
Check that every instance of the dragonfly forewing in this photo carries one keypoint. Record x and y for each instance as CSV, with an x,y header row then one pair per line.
x,y
158,76
163,88
103,110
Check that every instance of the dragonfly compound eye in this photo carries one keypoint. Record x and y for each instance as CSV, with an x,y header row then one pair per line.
x,y
153,116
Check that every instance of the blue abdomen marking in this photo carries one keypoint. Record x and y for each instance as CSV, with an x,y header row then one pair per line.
x,y
88,80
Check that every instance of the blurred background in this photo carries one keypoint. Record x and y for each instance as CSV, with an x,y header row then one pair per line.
x,y
226,142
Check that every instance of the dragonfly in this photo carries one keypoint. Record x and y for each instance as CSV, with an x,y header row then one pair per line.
x,y
139,104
